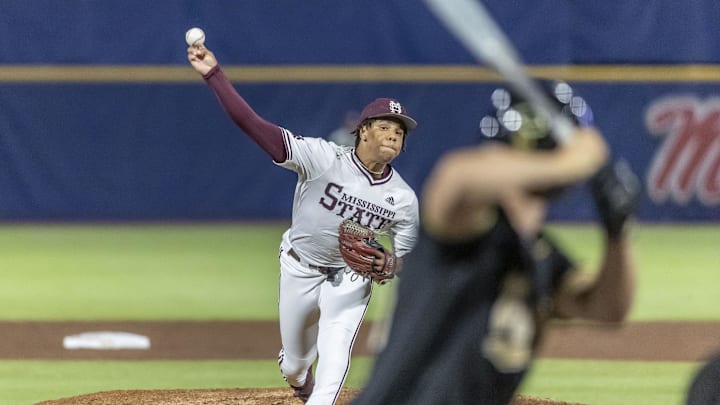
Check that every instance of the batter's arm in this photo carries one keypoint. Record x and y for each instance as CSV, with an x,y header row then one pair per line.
x,y
267,135
464,187
609,295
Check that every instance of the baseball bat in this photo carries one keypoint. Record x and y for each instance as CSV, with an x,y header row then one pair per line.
x,y
474,27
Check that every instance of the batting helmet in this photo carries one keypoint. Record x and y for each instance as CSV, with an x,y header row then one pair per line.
x,y
515,123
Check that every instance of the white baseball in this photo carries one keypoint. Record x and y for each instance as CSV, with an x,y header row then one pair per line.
x,y
195,36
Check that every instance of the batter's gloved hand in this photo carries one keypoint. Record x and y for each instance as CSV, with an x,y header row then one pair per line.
x,y
364,254
616,190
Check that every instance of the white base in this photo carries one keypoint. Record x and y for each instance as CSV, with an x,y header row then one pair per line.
x,y
106,341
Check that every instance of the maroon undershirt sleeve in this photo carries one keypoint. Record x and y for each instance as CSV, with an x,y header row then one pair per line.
x,y
267,135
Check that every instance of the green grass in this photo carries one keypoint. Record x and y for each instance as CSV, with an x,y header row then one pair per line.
x,y
597,382
25,382
141,272
589,382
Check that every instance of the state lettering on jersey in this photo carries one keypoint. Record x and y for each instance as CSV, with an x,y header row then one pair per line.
x,y
362,211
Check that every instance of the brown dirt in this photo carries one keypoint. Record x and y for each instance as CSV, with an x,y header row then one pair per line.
x,y
207,340
240,396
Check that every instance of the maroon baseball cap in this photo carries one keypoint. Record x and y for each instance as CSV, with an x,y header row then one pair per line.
x,y
387,107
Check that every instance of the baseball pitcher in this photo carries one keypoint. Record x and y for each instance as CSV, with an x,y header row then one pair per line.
x,y
329,257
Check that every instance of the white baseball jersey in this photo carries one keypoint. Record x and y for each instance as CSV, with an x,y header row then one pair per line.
x,y
332,185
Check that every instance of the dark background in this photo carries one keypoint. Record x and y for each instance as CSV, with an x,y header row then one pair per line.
x,y
130,149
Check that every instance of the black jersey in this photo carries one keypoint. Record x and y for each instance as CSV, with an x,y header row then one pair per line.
x,y
466,320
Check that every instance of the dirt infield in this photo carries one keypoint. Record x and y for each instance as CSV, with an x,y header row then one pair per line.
x,y
201,340
208,340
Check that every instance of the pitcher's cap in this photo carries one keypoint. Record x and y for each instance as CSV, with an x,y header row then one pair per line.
x,y
388,107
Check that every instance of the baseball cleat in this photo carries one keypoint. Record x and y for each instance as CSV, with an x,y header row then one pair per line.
x,y
304,392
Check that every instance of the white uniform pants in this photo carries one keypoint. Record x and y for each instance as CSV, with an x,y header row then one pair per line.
x,y
319,319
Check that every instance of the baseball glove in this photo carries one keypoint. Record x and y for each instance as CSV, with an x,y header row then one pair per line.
x,y
363,253
616,190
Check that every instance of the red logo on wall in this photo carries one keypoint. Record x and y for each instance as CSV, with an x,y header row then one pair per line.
x,y
687,164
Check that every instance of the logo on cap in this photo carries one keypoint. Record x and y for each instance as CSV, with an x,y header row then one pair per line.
x,y
395,107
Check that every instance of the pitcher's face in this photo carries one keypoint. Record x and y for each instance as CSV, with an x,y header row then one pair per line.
x,y
382,139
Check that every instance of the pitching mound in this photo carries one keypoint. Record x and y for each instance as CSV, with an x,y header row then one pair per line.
x,y
245,396
239,396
